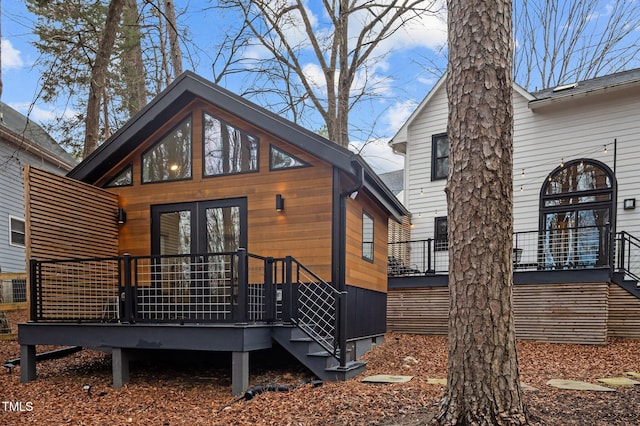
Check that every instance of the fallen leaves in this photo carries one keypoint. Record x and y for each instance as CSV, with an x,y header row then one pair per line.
x,y
188,390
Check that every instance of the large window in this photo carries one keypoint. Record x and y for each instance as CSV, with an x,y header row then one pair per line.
x,y
16,232
227,150
576,215
170,158
367,237
439,156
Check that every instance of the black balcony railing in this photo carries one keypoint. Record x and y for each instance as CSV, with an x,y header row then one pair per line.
x,y
234,287
567,248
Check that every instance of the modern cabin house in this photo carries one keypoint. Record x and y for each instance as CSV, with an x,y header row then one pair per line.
x,y
207,223
576,254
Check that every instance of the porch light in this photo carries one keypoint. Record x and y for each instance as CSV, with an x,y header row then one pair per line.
x,y
121,217
279,203
629,203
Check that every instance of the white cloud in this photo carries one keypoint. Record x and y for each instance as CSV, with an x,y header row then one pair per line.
x,y
38,114
379,155
399,113
10,56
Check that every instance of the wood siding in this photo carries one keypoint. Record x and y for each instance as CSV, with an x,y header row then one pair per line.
x,y
67,218
558,313
418,311
302,230
361,272
624,313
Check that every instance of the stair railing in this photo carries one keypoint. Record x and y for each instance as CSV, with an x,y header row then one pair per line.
x,y
629,255
318,309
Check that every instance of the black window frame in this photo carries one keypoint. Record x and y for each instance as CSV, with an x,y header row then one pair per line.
x,y
372,242
434,157
204,154
273,148
440,243
188,118
111,183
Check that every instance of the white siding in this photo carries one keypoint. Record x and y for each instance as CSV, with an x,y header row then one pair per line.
x,y
12,159
542,139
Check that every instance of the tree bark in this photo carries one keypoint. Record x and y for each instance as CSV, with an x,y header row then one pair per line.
x,y
174,45
98,76
134,72
482,383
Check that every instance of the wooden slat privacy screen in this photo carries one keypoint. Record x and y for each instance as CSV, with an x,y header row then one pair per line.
x,y
558,313
66,218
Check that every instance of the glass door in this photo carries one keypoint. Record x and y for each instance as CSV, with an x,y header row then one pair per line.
x,y
198,266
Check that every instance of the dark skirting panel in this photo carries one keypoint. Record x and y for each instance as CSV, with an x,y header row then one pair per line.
x,y
366,312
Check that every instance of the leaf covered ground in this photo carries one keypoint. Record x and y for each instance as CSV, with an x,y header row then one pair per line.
x,y
190,389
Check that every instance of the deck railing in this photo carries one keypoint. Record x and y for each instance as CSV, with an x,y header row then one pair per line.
x,y
567,248
233,287
628,258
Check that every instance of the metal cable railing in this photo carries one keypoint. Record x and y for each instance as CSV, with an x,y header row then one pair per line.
x,y
317,308
567,248
75,289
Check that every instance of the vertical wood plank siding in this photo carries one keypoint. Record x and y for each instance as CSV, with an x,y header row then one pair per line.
x,y
582,313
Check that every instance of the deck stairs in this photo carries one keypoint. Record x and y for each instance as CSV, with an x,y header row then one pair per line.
x,y
627,274
314,356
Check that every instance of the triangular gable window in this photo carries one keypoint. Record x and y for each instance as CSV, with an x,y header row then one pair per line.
x,y
280,160
124,178
170,158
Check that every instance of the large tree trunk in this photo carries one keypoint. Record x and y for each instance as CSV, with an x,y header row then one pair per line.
x,y
134,71
98,76
174,44
482,382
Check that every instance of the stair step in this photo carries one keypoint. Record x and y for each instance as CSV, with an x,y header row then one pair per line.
x,y
352,369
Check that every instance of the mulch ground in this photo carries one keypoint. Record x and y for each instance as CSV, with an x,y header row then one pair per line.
x,y
183,389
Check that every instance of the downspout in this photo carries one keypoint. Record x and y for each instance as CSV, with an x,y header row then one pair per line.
x,y
342,248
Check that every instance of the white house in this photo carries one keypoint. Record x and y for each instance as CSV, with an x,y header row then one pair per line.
x,y
575,184
21,142
589,129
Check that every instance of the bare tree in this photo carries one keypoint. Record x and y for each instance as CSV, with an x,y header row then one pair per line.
x,y
172,29
482,381
560,42
133,66
327,67
99,74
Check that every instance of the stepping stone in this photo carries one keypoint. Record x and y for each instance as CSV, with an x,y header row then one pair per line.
x,y
619,381
526,387
577,385
442,382
633,374
386,378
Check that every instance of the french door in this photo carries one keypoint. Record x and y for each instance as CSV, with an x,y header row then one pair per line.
x,y
216,226
195,276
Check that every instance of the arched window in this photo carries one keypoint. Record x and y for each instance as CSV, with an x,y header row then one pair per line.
x,y
577,215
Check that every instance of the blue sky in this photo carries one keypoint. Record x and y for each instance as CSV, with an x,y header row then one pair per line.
x,y
398,95
404,75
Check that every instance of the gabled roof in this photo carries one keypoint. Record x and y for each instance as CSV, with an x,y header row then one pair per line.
x,y
189,86
619,81
21,131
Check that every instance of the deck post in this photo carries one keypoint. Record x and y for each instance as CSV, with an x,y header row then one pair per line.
x,y
269,291
239,372
120,367
27,363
